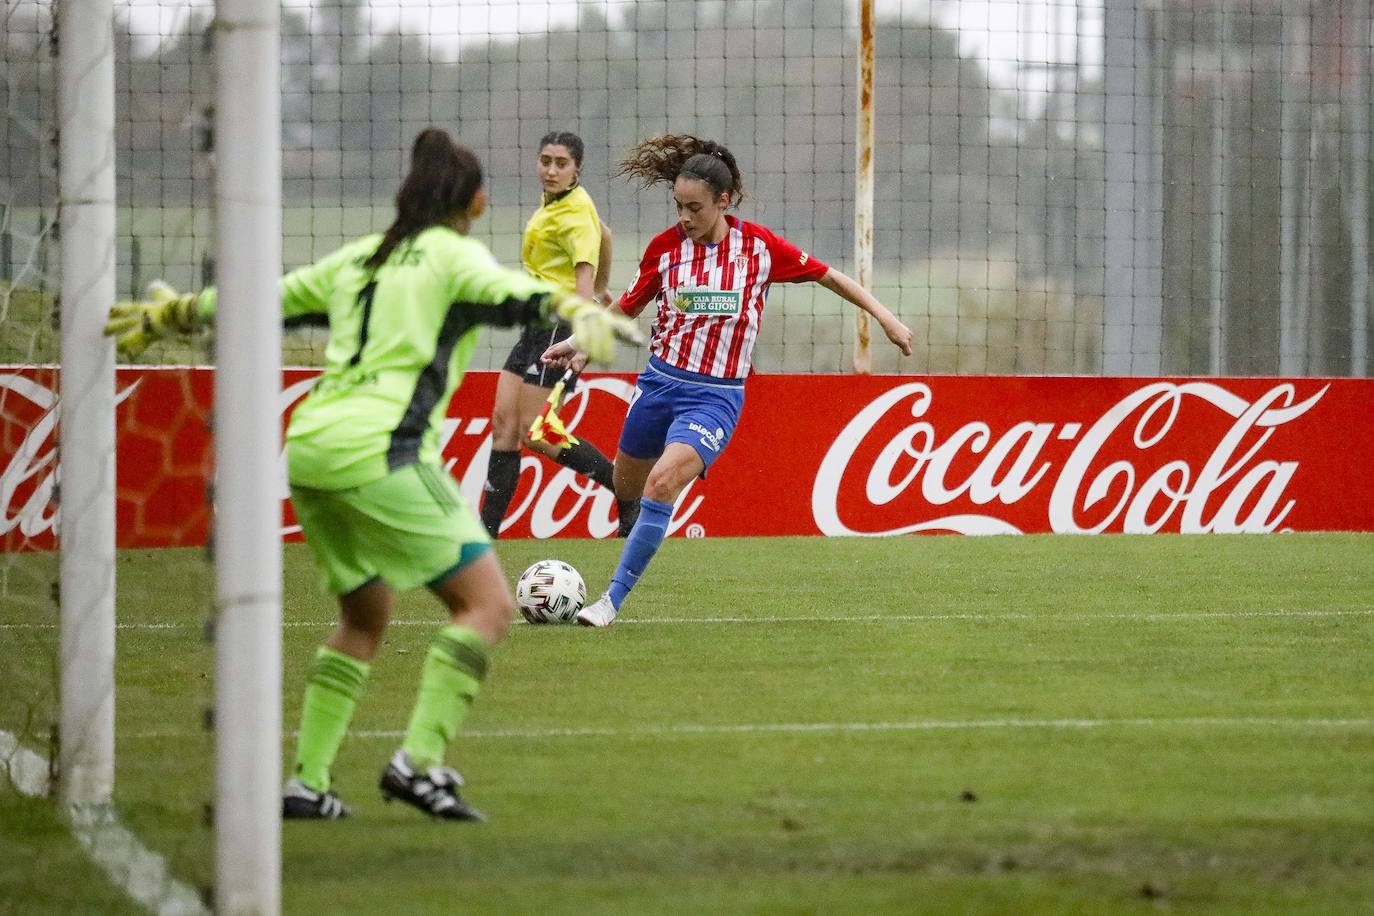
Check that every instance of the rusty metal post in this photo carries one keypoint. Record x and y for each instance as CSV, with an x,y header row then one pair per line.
x,y
863,186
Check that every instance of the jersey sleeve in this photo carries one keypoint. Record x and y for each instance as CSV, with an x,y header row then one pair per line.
x,y
579,234
494,295
304,291
789,263
645,285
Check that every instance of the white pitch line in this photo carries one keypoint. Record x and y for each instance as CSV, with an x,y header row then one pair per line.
x,y
916,726
1182,617
130,866
919,618
801,728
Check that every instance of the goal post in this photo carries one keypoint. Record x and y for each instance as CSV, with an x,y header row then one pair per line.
x,y
86,179
247,530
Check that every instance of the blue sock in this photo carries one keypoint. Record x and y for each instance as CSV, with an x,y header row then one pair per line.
x,y
640,547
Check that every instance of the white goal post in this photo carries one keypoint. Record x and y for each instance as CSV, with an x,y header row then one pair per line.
x,y
247,532
247,436
86,178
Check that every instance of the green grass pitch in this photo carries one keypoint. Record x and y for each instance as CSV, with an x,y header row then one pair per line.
x,y
946,725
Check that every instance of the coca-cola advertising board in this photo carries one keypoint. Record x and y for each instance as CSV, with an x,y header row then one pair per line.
x,y
813,455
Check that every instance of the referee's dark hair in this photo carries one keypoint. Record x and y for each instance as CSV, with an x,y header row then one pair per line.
x,y
564,138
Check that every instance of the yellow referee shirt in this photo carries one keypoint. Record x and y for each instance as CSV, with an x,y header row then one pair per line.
x,y
562,233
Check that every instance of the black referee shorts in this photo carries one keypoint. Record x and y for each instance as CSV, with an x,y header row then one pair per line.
x,y
524,356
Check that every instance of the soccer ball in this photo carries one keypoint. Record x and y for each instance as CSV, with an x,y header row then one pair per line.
x,y
550,591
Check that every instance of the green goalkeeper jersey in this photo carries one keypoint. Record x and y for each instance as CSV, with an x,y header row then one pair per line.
x,y
399,342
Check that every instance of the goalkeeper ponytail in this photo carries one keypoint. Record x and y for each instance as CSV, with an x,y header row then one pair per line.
x,y
671,156
444,177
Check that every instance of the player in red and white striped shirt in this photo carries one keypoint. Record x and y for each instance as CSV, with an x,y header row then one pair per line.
x,y
708,277
743,262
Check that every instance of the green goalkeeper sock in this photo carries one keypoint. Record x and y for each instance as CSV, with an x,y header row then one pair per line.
x,y
452,675
336,680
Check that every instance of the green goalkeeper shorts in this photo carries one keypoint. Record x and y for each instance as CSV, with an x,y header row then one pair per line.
x,y
408,528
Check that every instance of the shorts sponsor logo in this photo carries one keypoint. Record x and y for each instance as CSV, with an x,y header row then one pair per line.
x,y
715,441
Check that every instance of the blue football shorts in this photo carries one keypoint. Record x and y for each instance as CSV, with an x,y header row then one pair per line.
x,y
673,406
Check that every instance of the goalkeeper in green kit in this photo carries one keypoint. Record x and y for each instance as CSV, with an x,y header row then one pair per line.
x,y
378,510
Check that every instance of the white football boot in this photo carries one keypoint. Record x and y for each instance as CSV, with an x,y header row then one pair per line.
x,y
600,613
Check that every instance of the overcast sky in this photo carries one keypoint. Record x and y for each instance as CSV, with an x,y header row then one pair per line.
x,y
1007,35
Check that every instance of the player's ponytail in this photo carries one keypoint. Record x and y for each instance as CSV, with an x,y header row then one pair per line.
x,y
665,158
444,176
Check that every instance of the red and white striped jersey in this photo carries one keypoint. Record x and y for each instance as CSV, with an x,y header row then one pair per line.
x,y
710,297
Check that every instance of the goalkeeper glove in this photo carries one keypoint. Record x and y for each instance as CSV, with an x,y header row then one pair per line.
x,y
595,328
135,325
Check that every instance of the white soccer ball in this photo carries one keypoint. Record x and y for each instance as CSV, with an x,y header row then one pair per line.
x,y
550,591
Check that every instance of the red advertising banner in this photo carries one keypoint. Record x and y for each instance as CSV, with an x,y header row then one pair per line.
x,y
813,455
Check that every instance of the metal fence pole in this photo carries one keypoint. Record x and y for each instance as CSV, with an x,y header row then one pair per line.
x,y
863,186
1355,97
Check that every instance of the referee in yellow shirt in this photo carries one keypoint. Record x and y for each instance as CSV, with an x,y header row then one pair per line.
x,y
566,245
